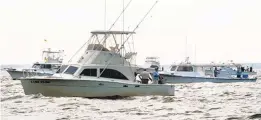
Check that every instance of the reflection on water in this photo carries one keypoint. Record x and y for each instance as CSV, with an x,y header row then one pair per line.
x,y
233,101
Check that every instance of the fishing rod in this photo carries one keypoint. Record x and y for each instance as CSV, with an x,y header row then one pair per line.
x,y
138,24
129,36
106,36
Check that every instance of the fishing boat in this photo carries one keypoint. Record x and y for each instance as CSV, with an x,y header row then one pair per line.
x,y
231,67
101,71
52,62
152,62
185,72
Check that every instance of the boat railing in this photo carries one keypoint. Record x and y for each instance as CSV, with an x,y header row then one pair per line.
x,y
31,72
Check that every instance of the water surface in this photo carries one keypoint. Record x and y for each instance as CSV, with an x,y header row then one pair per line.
x,y
202,101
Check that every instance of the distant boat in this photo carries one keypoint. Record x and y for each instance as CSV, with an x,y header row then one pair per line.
x,y
52,62
152,62
186,72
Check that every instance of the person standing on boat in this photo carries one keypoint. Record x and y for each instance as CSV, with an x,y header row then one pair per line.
x,y
145,77
238,72
215,72
156,76
247,69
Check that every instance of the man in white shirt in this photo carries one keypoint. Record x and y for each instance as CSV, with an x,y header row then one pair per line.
x,y
145,76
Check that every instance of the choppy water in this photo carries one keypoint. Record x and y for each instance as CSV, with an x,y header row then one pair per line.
x,y
210,101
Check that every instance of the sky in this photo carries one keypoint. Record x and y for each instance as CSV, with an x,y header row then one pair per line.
x,y
204,30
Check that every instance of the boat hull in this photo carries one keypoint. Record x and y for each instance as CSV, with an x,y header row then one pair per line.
x,y
15,75
187,79
91,88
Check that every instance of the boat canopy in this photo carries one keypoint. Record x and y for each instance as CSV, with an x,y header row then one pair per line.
x,y
112,32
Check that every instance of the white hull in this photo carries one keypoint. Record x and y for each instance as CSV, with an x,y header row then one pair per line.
x,y
186,79
19,74
92,88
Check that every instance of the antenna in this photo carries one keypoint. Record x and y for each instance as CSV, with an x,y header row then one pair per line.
x,y
186,52
195,57
105,14
139,23
122,36
123,15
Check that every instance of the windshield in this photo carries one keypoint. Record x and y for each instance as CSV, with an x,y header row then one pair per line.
x,y
71,70
173,68
62,68
56,66
36,66
185,68
46,66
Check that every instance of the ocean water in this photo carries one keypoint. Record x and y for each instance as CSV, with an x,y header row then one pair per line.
x,y
197,101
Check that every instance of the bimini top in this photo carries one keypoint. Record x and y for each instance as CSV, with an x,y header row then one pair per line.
x,y
112,32
152,57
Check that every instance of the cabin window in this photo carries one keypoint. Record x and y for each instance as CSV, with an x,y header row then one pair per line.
x,y
89,72
173,68
185,68
71,70
56,66
154,66
46,66
62,68
110,73
36,66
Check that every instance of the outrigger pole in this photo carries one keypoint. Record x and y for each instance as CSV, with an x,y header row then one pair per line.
x,y
129,36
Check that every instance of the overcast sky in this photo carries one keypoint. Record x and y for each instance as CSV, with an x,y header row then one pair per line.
x,y
221,30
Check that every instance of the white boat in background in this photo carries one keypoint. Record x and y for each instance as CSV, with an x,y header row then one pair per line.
x,y
52,61
152,63
230,67
99,72
185,72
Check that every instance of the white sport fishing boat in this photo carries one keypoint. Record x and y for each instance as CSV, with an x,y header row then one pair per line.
x,y
186,72
100,72
52,61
